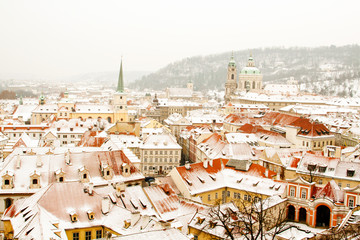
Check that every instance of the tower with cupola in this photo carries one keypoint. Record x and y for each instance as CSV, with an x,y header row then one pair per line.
x,y
230,85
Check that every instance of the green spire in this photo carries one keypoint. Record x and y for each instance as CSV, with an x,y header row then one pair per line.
x,y
21,100
232,61
120,87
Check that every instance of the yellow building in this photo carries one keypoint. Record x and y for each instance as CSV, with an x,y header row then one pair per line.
x,y
222,180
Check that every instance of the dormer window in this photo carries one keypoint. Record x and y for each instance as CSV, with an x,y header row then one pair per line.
x,y
60,175
84,175
311,167
8,180
73,216
322,169
91,215
200,220
350,172
35,180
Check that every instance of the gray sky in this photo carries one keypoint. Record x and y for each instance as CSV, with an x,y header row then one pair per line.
x,y
47,38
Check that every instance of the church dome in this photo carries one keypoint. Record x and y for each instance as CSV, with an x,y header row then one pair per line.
x,y
250,70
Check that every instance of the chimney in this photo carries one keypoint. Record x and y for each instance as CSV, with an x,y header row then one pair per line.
x,y
67,158
187,166
91,188
266,173
18,161
38,161
205,164
211,162
120,187
105,205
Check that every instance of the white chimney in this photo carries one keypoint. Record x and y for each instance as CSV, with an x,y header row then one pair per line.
x,y
91,188
266,172
211,162
67,157
205,164
18,161
187,166
38,161
105,205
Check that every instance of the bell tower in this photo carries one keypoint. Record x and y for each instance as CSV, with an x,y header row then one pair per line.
x,y
120,100
230,85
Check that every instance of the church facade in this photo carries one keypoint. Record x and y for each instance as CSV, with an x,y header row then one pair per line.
x,y
250,79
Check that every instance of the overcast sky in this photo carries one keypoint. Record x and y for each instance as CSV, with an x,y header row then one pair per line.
x,y
48,38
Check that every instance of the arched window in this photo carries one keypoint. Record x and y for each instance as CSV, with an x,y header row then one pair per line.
x,y
253,85
84,176
232,76
109,119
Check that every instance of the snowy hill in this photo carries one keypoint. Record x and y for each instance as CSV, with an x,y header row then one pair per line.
x,y
326,70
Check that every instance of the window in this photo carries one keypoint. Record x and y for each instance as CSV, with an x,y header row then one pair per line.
x,y
145,168
348,185
156,152
61,179
160,153
84,176
7,182
88,235
34,181
320,181
98,234
171,152
292,192
303,193
245,197
8,202
64,136
216,195
339,184
145,159
351,202
76,236
228,193
209,197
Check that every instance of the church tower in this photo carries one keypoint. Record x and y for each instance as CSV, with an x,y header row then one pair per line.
x,y
190,85
230,85
120,100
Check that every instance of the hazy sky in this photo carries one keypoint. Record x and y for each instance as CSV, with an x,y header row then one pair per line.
x,y
57,38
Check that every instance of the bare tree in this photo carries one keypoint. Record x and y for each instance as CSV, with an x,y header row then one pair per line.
x,y
251,217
